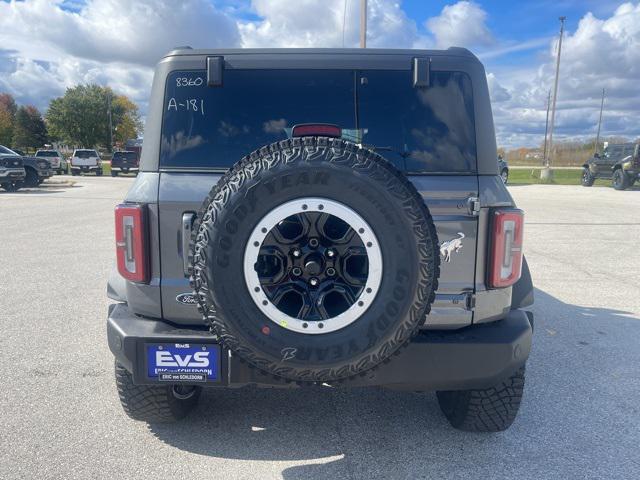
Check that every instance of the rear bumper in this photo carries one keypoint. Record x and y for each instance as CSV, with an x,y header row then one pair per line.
x,y
86,168
474,357
116,168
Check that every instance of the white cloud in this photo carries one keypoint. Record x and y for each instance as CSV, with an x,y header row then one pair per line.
x,y
601,53
310,23
462,24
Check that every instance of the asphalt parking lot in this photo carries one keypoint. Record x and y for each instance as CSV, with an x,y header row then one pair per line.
x,y
60,416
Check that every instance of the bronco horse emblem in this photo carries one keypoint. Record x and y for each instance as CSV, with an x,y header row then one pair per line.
x,y
451,246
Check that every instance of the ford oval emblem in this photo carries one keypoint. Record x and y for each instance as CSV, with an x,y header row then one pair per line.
x,y
186,299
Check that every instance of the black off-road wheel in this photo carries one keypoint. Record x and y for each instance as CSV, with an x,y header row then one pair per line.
x,y
12,186
314,260
155,404
484,410
587,179
504,175
620,180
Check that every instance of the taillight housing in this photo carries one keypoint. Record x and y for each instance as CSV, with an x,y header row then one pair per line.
x,y
131,242
505,256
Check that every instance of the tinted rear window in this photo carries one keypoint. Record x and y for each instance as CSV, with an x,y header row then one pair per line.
x,y
419,130
125,155
85,153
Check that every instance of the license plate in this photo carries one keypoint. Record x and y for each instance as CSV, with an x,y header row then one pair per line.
x,y
183,362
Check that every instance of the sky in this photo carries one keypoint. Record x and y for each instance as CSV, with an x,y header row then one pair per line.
x,y
47,46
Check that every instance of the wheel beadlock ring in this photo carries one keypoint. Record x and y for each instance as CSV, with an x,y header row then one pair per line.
x,y
307,205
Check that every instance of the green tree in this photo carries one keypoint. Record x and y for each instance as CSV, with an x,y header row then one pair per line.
x,y
81,116
8,110
29,130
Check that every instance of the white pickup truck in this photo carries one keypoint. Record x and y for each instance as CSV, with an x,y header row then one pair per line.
x,y
85,160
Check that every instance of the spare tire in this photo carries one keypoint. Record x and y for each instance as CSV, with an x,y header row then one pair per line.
x,y
314,259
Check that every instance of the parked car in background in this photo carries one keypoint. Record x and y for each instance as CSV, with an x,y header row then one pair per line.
x,y
603,165
124,162
58,162
85,160
37,170
627,170
11,170
503,168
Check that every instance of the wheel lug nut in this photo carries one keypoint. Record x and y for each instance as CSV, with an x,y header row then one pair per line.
x,y
313,282
296,253
331,271
313,243
296,271
331,253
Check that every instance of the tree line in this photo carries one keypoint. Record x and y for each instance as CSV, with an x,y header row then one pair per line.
x,y
89,116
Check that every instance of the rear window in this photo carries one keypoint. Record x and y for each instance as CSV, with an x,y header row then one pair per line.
x,y
85,154
46,153
125,155
418,130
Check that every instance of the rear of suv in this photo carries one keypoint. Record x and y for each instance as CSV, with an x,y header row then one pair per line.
x,y
124,162
328,217
84,161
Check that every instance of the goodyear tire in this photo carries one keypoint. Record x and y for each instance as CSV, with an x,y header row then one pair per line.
x,y
314,260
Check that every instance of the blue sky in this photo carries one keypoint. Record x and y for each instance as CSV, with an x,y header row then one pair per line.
x,y
117,42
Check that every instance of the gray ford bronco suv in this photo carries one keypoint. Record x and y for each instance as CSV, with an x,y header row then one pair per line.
x,y
320,217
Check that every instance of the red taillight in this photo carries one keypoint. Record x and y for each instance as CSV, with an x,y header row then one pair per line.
x,y
131,242
506,247
323,129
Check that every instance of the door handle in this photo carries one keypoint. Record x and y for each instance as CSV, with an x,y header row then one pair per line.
x,y
185,236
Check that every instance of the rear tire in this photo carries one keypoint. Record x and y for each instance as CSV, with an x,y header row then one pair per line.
x,y
620,180
114,174
98,173
587,178
484,410
154,404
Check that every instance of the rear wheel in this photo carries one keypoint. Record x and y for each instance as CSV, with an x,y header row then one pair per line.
x,y
155,404
620,180
99,173
484,410
587,178
114,174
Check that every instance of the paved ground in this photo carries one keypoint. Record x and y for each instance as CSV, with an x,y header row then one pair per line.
x,y
60,418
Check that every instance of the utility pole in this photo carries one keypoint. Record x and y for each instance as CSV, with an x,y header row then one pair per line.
x,y
363,23
110,124
546,128
599,123
546,173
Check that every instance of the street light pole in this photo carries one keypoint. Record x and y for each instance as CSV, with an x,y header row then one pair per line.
x,y
599,123
546,129
363,23
547,172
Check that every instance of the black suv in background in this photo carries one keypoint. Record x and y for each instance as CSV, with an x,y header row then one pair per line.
x,y
618,162
124,162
